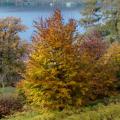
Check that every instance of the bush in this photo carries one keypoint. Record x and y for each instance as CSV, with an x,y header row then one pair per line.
x,y
9,104
99,112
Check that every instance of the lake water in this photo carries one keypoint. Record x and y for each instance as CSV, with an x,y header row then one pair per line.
x,y
29,15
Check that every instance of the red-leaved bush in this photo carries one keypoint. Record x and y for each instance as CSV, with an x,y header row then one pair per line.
x,y
9,104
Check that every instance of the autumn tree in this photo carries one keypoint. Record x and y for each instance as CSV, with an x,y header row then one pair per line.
x,y
65,69
97,79
94,44
112,58
12,50
52,65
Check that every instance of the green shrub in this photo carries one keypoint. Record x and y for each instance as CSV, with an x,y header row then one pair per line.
x,y
99,112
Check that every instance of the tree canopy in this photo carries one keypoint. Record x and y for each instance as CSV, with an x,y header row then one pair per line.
x,y
103,15
65,69
12,50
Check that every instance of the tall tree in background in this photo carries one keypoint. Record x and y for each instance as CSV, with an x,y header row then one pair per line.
x,y
12,50
103,15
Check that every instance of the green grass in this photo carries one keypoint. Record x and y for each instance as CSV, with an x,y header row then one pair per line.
x,y
7,90
100,112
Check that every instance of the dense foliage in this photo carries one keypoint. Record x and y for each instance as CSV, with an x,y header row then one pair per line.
x,y
65,69
12,51
103,15
67,75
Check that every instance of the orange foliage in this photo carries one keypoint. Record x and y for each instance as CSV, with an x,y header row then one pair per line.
x,y
63,71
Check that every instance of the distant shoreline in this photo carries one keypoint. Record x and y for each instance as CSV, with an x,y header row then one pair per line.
x,y
31,8
38,7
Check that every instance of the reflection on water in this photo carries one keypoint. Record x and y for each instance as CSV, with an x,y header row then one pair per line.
x,y
28,15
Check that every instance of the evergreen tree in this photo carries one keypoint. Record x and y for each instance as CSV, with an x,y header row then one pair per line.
x,y
103,15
